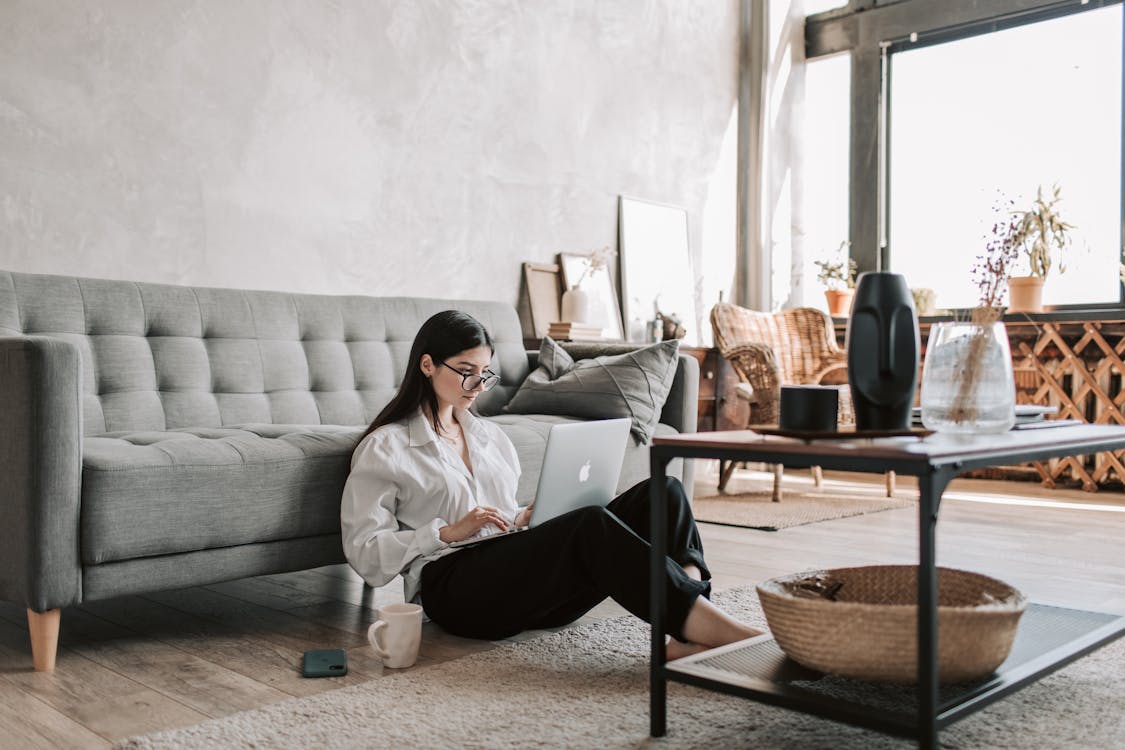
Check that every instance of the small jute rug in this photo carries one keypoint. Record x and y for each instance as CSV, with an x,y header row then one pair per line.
x,y
587,687
749,503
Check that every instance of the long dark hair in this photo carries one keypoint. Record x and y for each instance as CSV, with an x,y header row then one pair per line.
x,y
447,333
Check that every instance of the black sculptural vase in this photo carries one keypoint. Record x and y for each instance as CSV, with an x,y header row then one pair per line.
x,y
883,350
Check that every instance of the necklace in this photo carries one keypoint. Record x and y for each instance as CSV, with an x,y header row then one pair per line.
x,y
453,439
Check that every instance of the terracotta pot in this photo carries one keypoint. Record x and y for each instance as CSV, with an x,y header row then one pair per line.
x,y
1025,294
839,301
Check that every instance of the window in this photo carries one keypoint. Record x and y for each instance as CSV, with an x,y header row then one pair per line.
x,y
824,176
1002,114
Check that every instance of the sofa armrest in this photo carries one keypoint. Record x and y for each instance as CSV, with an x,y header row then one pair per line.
x,y
40,471
681,409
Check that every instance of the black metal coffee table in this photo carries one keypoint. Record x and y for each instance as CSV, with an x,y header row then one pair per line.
x,y
1049,637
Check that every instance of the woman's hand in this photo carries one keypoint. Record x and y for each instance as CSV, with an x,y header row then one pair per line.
x,y
523,518
475,520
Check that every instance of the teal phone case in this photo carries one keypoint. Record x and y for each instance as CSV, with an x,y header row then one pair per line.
x,y
325,662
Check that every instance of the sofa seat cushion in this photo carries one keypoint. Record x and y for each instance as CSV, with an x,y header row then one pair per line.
x,y
528,432
157,493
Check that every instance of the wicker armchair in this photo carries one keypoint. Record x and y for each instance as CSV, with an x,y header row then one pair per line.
x,y
768,350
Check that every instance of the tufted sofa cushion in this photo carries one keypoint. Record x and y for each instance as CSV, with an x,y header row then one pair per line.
x,y
157,357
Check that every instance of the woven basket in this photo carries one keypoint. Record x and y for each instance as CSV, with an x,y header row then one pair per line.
x,y
862,622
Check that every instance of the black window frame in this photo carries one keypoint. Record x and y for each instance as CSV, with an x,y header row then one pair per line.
x,y
872,31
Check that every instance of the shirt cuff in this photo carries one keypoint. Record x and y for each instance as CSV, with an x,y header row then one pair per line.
x,y
429,537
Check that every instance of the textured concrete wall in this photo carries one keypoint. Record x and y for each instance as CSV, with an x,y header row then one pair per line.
x,y
413,147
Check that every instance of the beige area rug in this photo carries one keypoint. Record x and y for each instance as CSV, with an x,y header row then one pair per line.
x,y
587,687
748,500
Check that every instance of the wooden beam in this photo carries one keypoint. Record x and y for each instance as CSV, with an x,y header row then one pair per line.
x,y
864,203
752,287
866,26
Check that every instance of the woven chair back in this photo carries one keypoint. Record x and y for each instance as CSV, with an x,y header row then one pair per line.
x,y
802,339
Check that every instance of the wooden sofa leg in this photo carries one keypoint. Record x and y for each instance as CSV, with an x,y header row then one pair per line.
x,y
817,476
44,628
890,484
778,472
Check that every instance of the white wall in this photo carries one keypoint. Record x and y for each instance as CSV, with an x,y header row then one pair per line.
x,y
371,146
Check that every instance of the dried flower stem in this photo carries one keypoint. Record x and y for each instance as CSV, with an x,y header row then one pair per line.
x,y
595,260
991,272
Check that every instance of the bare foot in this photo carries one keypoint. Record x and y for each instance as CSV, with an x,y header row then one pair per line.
x,y
676,649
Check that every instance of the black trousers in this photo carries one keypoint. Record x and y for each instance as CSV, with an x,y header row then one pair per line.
x,y
553,574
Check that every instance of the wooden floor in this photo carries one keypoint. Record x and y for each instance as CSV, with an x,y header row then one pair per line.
x,y
140,664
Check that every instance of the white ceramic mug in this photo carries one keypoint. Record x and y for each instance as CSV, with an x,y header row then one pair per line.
x,y
396,634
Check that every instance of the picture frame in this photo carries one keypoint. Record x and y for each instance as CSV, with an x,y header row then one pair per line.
x,y
656,267
598,283
544,295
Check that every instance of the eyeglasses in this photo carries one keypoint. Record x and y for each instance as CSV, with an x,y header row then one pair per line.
x,y
470,381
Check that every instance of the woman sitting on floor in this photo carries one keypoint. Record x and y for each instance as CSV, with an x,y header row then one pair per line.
x,y
428,473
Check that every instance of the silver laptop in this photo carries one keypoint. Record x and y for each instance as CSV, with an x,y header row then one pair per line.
x,y
581,466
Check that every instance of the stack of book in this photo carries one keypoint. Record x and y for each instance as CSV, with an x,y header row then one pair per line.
x,y
565,331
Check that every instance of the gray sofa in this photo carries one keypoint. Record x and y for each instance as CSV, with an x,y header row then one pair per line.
x,y
157,437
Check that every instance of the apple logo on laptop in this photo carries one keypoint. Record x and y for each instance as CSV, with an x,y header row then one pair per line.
x,y
584,472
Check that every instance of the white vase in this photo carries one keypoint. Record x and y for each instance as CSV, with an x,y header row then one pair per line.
x,y
967,382
576,305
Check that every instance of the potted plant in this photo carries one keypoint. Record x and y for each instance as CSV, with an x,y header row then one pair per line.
x,y
925,300
1043,237
838,277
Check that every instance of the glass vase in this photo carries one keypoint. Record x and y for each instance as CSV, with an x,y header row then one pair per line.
x,y
967,382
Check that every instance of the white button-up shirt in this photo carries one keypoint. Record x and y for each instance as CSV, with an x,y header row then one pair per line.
x,y
406,483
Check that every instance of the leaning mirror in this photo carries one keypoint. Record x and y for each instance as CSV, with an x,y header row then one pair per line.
x,y
656,273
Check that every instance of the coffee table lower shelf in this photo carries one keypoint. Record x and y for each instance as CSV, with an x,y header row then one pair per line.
x,y
1048,638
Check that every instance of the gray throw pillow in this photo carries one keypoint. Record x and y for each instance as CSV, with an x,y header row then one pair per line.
x,y
634,384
